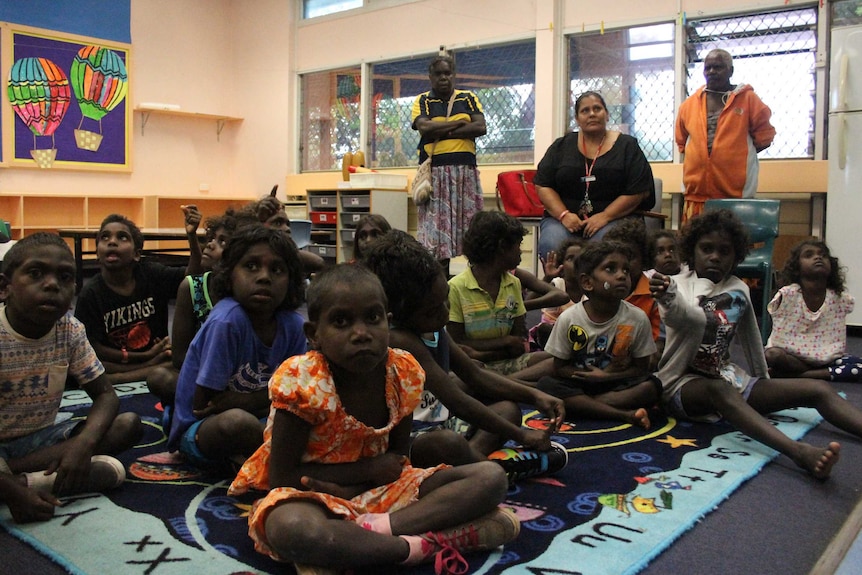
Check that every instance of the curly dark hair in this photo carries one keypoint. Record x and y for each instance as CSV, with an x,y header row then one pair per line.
x,y
792,274
594,254
344,273
653,239
227,221
21,250
134,230
250,235
488,233
631,231
721,221
405,268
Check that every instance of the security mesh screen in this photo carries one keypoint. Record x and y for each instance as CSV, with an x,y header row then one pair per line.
x,y
774,52
330,118
633,71
502,77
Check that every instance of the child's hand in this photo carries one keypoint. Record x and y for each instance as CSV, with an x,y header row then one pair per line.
x,y
589,374
268,207
552,268
658,285
343,491
553,409
515,346
161,350
193,218
536,439
28,505
386,469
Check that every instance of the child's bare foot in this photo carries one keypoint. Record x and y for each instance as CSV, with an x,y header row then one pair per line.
x,y
818,462
640,418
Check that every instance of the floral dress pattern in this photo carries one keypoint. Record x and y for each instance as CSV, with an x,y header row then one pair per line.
x,y
303,386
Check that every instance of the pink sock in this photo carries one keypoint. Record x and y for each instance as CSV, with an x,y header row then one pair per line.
x,y
377,522
420,549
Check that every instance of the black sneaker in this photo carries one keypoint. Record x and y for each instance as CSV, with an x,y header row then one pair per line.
x,y
520,463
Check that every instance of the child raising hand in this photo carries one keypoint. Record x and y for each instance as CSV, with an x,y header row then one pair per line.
x,y
341,492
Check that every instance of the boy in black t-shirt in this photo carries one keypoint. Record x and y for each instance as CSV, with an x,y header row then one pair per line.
x,y
125,307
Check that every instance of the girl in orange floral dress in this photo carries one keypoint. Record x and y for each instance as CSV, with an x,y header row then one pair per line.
x,y
341,491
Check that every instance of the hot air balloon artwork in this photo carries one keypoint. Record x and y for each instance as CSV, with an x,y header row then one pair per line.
x,y
39,93
100,83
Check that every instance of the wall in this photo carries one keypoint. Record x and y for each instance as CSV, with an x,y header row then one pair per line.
x,y
209,56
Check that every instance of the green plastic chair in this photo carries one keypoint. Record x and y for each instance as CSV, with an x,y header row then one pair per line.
x,y
761,219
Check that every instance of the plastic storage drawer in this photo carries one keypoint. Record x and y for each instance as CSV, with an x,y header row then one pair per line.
x,y
329,218
320,202
350,219
323,251
355,201
347,237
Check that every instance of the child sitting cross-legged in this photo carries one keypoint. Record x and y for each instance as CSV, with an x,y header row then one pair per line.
x,y
221,397
125,306
341,491
467,412
40,344
602,345
809,333
705,309
487,317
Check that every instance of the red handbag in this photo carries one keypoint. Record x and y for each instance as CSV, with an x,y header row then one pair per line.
x,y
518,194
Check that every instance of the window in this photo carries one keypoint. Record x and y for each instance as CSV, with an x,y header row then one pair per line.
x,y
633,71
315,8
503,79
775,52
330,117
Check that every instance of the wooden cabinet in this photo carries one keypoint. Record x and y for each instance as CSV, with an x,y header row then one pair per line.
x,y
335,212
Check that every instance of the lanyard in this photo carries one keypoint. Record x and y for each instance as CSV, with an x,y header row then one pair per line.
x,y
586,205
589,167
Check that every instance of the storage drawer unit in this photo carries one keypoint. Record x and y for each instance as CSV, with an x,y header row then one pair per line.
x,y
335,212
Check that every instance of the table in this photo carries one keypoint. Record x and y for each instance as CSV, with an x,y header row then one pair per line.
x,y
80,234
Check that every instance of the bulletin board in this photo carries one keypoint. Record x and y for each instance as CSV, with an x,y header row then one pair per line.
x,y
65,101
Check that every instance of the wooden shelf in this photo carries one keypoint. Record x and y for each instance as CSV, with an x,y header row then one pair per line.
x,y
220,119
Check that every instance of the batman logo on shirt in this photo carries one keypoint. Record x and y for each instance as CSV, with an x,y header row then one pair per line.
x,y
577,337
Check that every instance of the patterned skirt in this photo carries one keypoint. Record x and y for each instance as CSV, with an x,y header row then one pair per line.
x,y
456,199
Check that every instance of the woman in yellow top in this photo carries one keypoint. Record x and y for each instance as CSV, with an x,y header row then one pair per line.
x,y
450,140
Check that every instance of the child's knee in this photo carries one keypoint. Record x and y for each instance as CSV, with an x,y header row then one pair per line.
x,y
127,429
492,479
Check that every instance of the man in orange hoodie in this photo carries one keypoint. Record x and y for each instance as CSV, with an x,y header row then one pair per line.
x,y
720,129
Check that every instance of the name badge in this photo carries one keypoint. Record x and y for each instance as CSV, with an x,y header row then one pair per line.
x,y
588,179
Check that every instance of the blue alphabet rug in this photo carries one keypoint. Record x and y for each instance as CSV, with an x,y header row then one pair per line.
x,y
624,497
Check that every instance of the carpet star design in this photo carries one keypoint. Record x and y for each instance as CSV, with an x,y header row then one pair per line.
x,y
674,442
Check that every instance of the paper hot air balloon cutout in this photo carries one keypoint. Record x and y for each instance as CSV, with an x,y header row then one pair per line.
x,y
39,93
100,83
